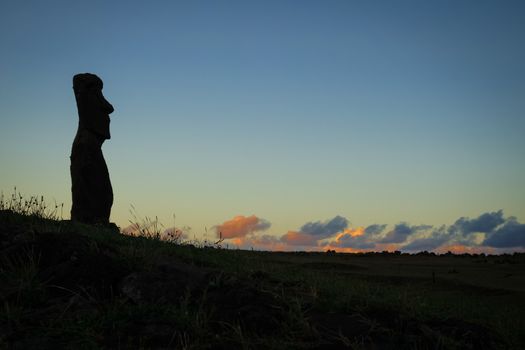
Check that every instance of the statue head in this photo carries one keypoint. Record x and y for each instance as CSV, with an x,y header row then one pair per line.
x,y
87,81
90,85
93,108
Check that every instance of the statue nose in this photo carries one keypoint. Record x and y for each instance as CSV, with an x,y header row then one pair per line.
x,y
107,106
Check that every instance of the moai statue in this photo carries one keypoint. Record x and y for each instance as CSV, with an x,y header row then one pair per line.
x,y
91,187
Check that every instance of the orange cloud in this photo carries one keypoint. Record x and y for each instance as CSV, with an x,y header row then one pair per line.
x,y
240,226
460,249
298,238
355,232
350,232
344,249
389,247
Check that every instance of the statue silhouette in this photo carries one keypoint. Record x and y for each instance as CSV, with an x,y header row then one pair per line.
x,y
90,184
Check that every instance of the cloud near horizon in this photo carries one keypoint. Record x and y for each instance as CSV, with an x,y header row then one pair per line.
x,y
486,232
317,236
240,226
359,238
484,223
296,238
375,229
489,232
510,234
402,231
325,229
434,240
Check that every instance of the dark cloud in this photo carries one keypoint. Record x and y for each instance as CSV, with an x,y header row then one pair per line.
x,y
437,238
357,242
511,234
428,243
374,229
398,235
401,232
485,223
499,232
326,228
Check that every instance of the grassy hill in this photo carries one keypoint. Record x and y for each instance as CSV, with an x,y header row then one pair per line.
x,y
67,285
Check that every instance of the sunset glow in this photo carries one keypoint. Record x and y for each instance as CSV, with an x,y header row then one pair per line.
x,y
489,233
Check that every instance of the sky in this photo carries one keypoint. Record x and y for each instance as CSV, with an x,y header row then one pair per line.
x,y
284,125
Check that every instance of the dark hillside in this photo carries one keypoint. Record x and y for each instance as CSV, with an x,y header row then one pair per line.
x,y
65,285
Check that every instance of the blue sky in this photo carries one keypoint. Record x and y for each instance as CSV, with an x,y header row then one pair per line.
x,y
381,112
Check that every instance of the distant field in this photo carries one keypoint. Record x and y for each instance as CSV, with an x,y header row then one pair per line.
x,y
65,285
505,272
488,290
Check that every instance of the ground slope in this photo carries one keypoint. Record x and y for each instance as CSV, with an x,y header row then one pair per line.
x,y
65,285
